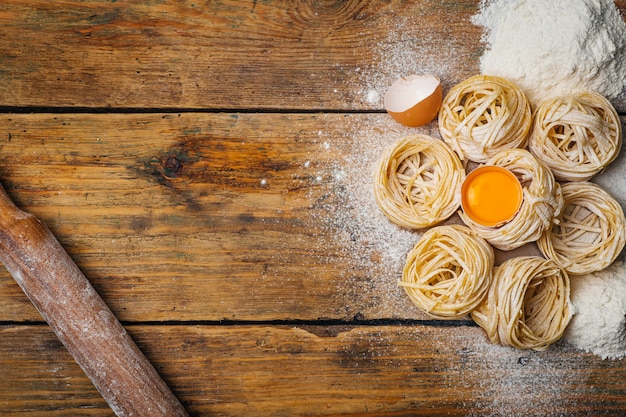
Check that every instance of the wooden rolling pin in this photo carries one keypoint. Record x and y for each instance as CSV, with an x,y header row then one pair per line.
x,y
81,320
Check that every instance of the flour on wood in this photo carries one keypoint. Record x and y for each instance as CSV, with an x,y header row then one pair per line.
x,y
374,248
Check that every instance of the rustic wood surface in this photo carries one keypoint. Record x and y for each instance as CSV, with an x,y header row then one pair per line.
x,y
282,370
206,165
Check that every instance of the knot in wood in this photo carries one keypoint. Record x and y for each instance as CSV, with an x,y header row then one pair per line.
x,y
171,165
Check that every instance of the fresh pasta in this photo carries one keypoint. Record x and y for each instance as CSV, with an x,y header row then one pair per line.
x,y
542,200
448,272
484,115
576,136
578,227
418,181
528,305
589,233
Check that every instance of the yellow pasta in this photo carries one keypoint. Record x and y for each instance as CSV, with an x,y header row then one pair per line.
x,y
542,201
418,181
484,115
576,136
590,231
448,272
528,304
525,302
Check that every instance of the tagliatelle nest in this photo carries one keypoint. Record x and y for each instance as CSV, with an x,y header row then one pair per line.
x,y
528,305
484,115
418,182
542,200
589,233
448,272
576,136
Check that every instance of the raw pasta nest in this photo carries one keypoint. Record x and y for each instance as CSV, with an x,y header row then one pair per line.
x,y
448,272
528,305
543,200
483,115
576,136
418,182
589,233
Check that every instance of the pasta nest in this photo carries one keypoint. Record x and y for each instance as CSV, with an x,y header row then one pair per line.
x,y
542,200
576,136
484,115
528,305
448,272
418,182
589,233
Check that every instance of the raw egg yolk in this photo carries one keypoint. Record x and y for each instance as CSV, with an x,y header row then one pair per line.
x,y
491,195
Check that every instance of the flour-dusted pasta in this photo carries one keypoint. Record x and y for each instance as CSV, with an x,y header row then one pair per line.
x,y
542,200
484,115
528,304
576,136
418,181
589,233
448,272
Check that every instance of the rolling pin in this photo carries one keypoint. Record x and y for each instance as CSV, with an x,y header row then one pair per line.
x,y
80,318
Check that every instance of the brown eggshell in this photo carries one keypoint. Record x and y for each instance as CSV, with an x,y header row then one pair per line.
x,y
414,100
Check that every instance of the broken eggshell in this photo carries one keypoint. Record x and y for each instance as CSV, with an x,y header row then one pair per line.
x,y
414,100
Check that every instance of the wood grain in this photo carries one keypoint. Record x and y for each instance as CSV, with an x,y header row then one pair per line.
x,y
227,54
324,371
230,54
207,166
212,217
168,215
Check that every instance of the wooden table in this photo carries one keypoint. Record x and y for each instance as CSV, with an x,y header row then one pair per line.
x,y
207,165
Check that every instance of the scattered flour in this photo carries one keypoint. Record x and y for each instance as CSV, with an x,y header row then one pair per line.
x,y
375,247
555,47
400,51
514,380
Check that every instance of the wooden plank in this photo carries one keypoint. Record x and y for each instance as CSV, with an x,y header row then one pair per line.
x,y
230,54
323,371
227,54
207,216
216,216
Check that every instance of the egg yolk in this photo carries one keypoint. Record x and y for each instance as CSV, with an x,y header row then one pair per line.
x,y
491,195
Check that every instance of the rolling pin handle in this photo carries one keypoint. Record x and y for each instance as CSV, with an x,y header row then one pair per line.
x,y
80,318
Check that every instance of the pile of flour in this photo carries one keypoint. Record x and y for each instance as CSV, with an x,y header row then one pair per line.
x,y
599,322
551,48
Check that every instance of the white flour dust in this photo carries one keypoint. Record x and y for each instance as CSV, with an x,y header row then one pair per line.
x,y
407,47
555,47
374,247
599,323
514,380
